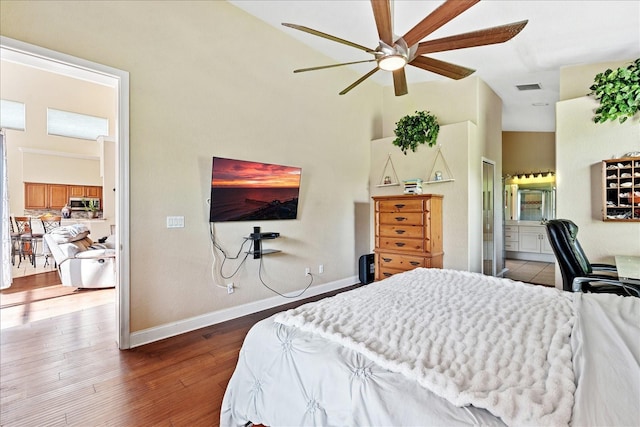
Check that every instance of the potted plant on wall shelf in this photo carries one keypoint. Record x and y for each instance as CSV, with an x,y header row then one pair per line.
x,y
618,92
412,130
91,207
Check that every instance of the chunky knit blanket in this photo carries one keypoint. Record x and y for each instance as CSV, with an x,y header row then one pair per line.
x,y
471,339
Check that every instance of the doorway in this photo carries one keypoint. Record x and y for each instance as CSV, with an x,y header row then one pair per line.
x,y
120,79
488,218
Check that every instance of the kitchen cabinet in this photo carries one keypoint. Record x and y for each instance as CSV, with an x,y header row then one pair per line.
x,y
408,232
35,196
88,191
55,196
76,191
45,196
621,187
93,192
58,196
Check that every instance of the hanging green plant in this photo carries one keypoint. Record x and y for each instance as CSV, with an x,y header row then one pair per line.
x,y
419,128
618,92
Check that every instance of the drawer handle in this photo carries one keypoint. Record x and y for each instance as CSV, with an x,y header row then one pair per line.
x,y
414,263
400,218
400,231
400,205
387,259
400,244
387,274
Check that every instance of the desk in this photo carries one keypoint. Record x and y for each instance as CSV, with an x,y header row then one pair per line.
x,y
628,269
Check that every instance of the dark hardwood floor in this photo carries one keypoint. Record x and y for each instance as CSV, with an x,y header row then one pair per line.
x,y
67,370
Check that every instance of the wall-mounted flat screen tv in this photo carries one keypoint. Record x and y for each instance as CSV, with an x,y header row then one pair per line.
x,y
251,191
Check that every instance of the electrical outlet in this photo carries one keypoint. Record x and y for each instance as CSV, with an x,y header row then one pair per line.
x,y
230,288
321,269
307,271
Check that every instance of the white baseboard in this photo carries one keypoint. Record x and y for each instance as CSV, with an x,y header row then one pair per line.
x,y
157,333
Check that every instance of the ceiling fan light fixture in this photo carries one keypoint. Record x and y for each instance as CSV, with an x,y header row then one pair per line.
x,y
392,62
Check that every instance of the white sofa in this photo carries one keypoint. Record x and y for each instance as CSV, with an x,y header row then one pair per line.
x,y
81,263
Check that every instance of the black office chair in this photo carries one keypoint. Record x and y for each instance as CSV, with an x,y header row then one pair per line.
x,y
578,275
573,231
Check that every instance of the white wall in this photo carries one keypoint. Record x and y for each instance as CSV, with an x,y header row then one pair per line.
x,y
456,139
205,81
477,104
581,145
187,104
35,156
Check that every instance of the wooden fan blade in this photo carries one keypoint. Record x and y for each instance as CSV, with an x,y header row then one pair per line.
x,y
382,15
360,80
327,36
400,82
446,69
484,37
322,67
436,19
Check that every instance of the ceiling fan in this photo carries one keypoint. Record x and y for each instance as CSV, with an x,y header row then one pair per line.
x,y
393,53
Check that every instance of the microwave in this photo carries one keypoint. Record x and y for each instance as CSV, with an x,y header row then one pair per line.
x,y
78,203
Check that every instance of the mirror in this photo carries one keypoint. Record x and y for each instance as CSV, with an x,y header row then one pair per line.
x,y
530,201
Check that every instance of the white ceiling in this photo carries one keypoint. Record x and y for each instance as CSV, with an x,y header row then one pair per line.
x,y
559,33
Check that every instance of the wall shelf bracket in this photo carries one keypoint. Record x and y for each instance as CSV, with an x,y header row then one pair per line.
x,y
447,176
387,180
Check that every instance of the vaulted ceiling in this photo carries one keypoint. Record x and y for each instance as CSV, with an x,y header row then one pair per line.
x,y
558,34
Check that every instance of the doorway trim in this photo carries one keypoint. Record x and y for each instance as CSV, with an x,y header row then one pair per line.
x,y
121,80
493,200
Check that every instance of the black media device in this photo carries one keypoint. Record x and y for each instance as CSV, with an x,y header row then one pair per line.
x,y
367,269
257,237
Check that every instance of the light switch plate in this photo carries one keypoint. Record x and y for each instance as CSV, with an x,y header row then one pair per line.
x,y
175,222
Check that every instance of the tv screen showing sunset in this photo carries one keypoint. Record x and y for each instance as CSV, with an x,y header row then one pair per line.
x,y
246,191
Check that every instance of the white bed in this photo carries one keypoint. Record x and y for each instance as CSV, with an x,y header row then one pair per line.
x,y
433,347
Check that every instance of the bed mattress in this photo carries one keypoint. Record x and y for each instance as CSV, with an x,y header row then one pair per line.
x,y
317,371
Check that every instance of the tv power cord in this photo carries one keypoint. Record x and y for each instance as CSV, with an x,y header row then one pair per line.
x,y
279,293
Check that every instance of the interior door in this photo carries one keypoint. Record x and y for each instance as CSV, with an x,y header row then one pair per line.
x,y
488,218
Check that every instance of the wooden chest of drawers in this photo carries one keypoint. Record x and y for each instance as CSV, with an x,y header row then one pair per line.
x,y
408,232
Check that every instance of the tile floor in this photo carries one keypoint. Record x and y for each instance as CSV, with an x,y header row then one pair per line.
x,y
541,273
26,269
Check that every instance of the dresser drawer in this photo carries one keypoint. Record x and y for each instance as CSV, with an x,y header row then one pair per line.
x,y
411,218
402,262
400,244
402,231
512,228
407,205
384,272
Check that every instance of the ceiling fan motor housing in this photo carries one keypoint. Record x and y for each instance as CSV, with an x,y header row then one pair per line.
x,y
391,58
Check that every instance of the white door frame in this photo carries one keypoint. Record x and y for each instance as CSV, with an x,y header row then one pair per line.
x,y
121,82
494,200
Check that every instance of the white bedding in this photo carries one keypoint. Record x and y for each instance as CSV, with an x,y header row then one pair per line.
x,y
289,376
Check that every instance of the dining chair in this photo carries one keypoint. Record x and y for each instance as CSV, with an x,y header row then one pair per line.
x,y
15,241
23,228
49,223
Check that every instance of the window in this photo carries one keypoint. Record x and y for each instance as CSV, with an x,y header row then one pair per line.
x,y
12,115
75,125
